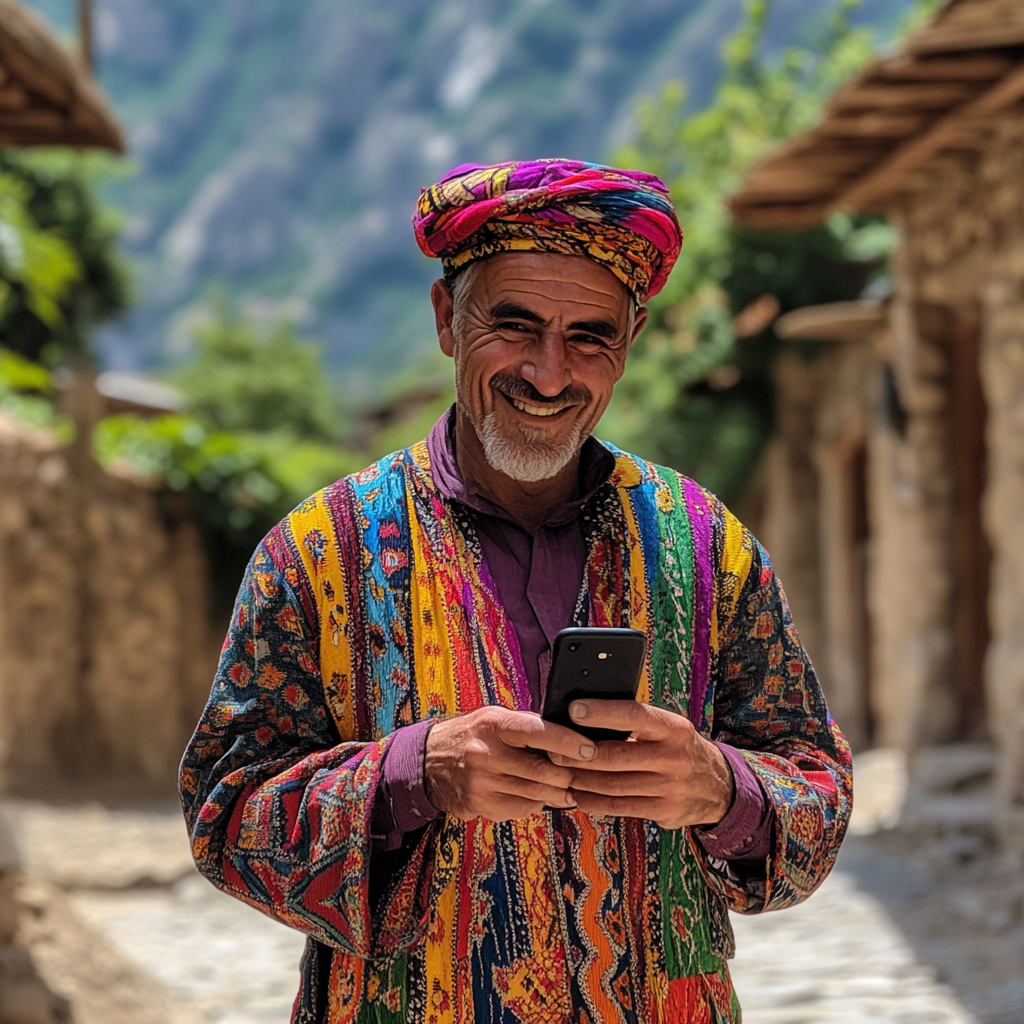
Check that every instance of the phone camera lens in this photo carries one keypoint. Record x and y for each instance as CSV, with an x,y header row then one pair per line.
x,y
574,647
586,671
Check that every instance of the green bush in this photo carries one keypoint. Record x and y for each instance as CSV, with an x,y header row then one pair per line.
x,y
26,391
240,377
60,272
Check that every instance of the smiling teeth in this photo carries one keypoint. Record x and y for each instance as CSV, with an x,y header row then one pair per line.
x,y
534,410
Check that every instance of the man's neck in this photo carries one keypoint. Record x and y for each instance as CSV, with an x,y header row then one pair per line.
x,y
529,504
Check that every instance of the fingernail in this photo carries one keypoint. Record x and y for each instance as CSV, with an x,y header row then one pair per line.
x,y
577,710
587,751
570,800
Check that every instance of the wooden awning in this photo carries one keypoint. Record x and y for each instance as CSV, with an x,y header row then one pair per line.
x,y
879,133
47,97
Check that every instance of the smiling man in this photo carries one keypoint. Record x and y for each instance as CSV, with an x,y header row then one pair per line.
x,y
372,768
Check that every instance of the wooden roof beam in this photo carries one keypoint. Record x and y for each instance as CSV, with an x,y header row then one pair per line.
x,y
968,68
786,216
870,125
963,38
948,130
917,96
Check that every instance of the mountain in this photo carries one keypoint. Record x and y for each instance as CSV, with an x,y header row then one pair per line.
x,y
280,144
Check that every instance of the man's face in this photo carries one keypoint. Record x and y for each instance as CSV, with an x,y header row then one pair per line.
x,y
540,345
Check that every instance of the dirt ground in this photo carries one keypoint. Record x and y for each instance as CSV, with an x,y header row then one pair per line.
x,y
913,927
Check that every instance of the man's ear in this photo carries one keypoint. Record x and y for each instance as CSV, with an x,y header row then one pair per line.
x,y
639,322
441,297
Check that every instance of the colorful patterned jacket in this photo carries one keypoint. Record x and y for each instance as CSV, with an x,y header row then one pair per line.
x,y
370,607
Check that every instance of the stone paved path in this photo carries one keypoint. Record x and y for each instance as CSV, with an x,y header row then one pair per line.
x,y
837,959
206,948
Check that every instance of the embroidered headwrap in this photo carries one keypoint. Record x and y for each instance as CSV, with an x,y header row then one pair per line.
x,y
624,220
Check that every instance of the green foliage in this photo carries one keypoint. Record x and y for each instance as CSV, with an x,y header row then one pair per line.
x,y
37,267
20,374
26,390
60,273
694,396
662,409
242,378
253,443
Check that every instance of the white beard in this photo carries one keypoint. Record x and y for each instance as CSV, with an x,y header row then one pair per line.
x,y
530,456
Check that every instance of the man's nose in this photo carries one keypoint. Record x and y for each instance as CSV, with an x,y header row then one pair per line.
x,y
547,366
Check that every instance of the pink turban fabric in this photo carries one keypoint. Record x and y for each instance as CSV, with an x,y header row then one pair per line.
x,y
623,220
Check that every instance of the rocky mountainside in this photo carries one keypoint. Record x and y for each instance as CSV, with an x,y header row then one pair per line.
x,y
280,144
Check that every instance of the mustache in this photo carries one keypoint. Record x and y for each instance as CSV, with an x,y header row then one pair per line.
x,y
516,387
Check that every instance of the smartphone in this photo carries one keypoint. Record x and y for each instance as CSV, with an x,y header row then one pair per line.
x,y
593,662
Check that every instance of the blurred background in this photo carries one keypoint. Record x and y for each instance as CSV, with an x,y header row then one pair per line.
x,y
212,304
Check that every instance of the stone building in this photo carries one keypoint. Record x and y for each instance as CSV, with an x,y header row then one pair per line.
x,y
897,497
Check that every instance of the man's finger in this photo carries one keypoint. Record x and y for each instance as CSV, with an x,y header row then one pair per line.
x,y
643,720
532,766
619,756
629,784
525,730
619,807
537,792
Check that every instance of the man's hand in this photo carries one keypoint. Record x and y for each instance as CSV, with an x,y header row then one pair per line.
x,y
666,772
496,763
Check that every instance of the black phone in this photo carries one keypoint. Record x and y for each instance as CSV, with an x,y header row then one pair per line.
x,y
601,662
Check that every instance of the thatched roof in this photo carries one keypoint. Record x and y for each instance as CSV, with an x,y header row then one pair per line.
x,y
47,97
933,98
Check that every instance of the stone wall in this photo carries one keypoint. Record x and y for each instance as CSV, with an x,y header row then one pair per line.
x,y
788,522
963,244
806,522
106,651
910,589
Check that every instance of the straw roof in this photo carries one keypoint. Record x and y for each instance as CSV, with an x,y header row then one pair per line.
x,y
47,97
936,97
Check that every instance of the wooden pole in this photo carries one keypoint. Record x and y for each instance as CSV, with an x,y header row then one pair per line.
x,y
85,31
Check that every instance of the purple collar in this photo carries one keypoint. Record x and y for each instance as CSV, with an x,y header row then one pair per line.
x,y
596,465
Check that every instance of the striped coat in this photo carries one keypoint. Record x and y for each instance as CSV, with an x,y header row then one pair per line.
x,y
370,607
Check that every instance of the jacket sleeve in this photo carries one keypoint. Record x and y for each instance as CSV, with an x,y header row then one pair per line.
x,y
279,810
769,704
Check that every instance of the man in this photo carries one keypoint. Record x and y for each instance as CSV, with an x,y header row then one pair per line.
x,y
372,768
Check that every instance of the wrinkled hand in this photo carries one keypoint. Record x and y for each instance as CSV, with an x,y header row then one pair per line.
x,y
666,772
496,763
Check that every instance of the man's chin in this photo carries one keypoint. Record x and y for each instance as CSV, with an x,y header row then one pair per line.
x,y
526,453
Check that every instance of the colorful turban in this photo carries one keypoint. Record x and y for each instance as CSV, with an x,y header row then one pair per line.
x,y
622,219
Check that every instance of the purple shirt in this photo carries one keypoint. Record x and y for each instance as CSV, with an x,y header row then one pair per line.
x,y
538,578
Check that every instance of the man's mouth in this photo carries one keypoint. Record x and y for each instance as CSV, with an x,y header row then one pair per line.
x,y
524,398
536,410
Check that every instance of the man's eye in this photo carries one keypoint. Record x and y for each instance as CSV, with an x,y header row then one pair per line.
x,y
511,325
589,342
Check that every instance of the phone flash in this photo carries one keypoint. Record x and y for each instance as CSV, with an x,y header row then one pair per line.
x,y
603,655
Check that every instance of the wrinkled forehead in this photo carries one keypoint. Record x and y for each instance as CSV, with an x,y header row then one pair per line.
x,y
549,283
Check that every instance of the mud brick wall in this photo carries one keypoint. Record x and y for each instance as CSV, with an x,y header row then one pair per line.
x,y
106,650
